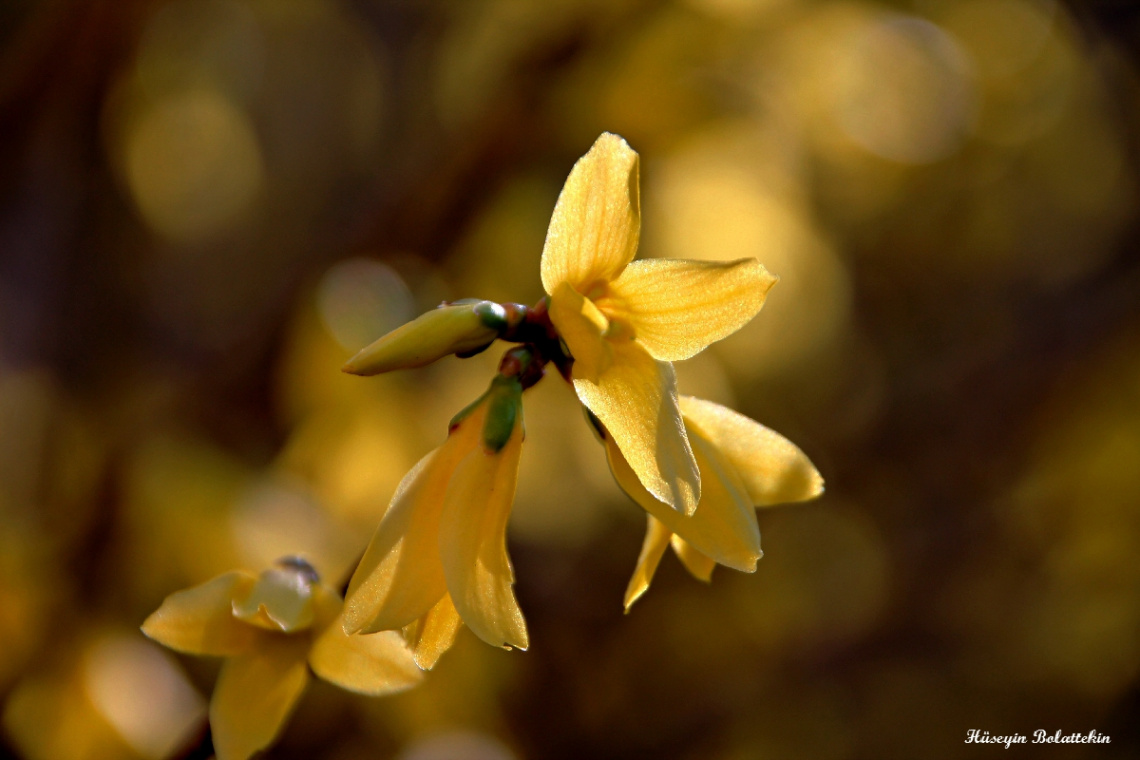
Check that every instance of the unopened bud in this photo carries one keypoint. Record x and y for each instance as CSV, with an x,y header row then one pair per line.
x,y
464,328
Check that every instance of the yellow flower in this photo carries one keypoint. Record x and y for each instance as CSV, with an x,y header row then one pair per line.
x,y
624,321
439,556
272,629
743,464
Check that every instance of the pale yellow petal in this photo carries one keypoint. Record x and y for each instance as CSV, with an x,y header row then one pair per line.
x,y
434,633
473,544
280,600
699,565
254,695
596,224
581,326
724,525
772,468
636,400
652,550
401,576
200,620
373,664
676,308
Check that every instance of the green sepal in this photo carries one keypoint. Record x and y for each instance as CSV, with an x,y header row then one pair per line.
x,y
492,314
504,412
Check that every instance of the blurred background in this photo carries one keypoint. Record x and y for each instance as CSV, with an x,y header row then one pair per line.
x,y
207,205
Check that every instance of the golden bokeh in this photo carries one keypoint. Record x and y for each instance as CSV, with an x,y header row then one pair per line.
x,y
208,206
193,165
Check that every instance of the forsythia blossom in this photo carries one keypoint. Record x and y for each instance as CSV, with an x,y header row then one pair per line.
x,y
272,629
624,321
440,553
743,465
612,326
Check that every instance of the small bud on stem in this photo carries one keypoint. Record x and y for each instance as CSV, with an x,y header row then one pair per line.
x,y
463,328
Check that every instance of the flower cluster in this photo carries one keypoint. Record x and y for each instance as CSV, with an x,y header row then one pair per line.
x,y
612,327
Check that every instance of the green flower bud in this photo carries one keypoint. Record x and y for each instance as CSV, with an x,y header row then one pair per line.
x,y
504,411
457,328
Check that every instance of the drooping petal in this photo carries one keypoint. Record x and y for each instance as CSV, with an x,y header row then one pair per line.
x,y
652,550
400,576
678,307
200,620
581,326
724,525
473,544
772,468
434,633
636,400
254,695
699,565
596,224
373,664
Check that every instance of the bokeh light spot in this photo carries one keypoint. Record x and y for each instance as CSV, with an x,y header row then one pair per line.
x,y
274,518
901,90
1023,60
360,300
141,692
714,202
193,164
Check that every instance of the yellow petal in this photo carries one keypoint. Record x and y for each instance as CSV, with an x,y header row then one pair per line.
x,y
473,544
254,695
200,620
434,633
652,549
400,576
724,525
636,400
280,600
699,565
594,231
581,326
677,308
373,664
772,468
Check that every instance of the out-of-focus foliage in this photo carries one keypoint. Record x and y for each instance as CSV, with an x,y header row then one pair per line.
x,y
206,206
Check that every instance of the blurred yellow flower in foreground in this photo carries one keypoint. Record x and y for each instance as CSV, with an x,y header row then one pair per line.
x,y
272,629
439,556
743,464
624,321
